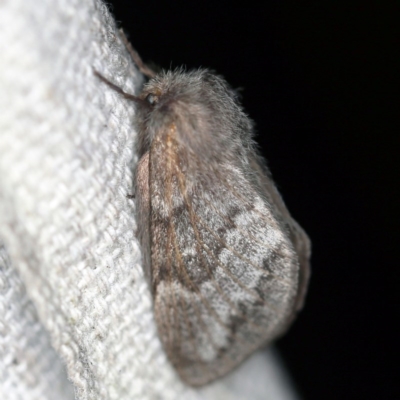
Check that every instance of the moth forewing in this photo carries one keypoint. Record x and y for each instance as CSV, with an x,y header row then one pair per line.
x,y
142,195
297,235
225,273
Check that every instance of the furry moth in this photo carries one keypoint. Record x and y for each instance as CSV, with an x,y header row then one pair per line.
x,y
227,265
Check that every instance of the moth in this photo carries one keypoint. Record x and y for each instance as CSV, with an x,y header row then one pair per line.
x,y
227,265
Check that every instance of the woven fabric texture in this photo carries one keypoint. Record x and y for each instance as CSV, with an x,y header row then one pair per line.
x,y
29,367
75,283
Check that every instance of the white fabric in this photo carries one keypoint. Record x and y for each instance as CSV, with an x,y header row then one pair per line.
x,y
29,367
66,161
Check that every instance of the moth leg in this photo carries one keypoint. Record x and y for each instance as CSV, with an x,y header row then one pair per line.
x,y
143,68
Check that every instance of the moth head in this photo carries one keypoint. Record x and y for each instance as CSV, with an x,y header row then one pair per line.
x,y
202,106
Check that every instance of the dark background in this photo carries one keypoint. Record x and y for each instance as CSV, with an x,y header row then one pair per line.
x,y
318,79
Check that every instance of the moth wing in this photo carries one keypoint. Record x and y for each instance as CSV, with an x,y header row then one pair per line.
x,y
142,196
225,274
298,236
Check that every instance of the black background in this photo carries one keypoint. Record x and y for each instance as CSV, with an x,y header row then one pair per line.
x,y
318,79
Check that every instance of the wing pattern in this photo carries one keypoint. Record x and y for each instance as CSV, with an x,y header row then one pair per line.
x,y
225,273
